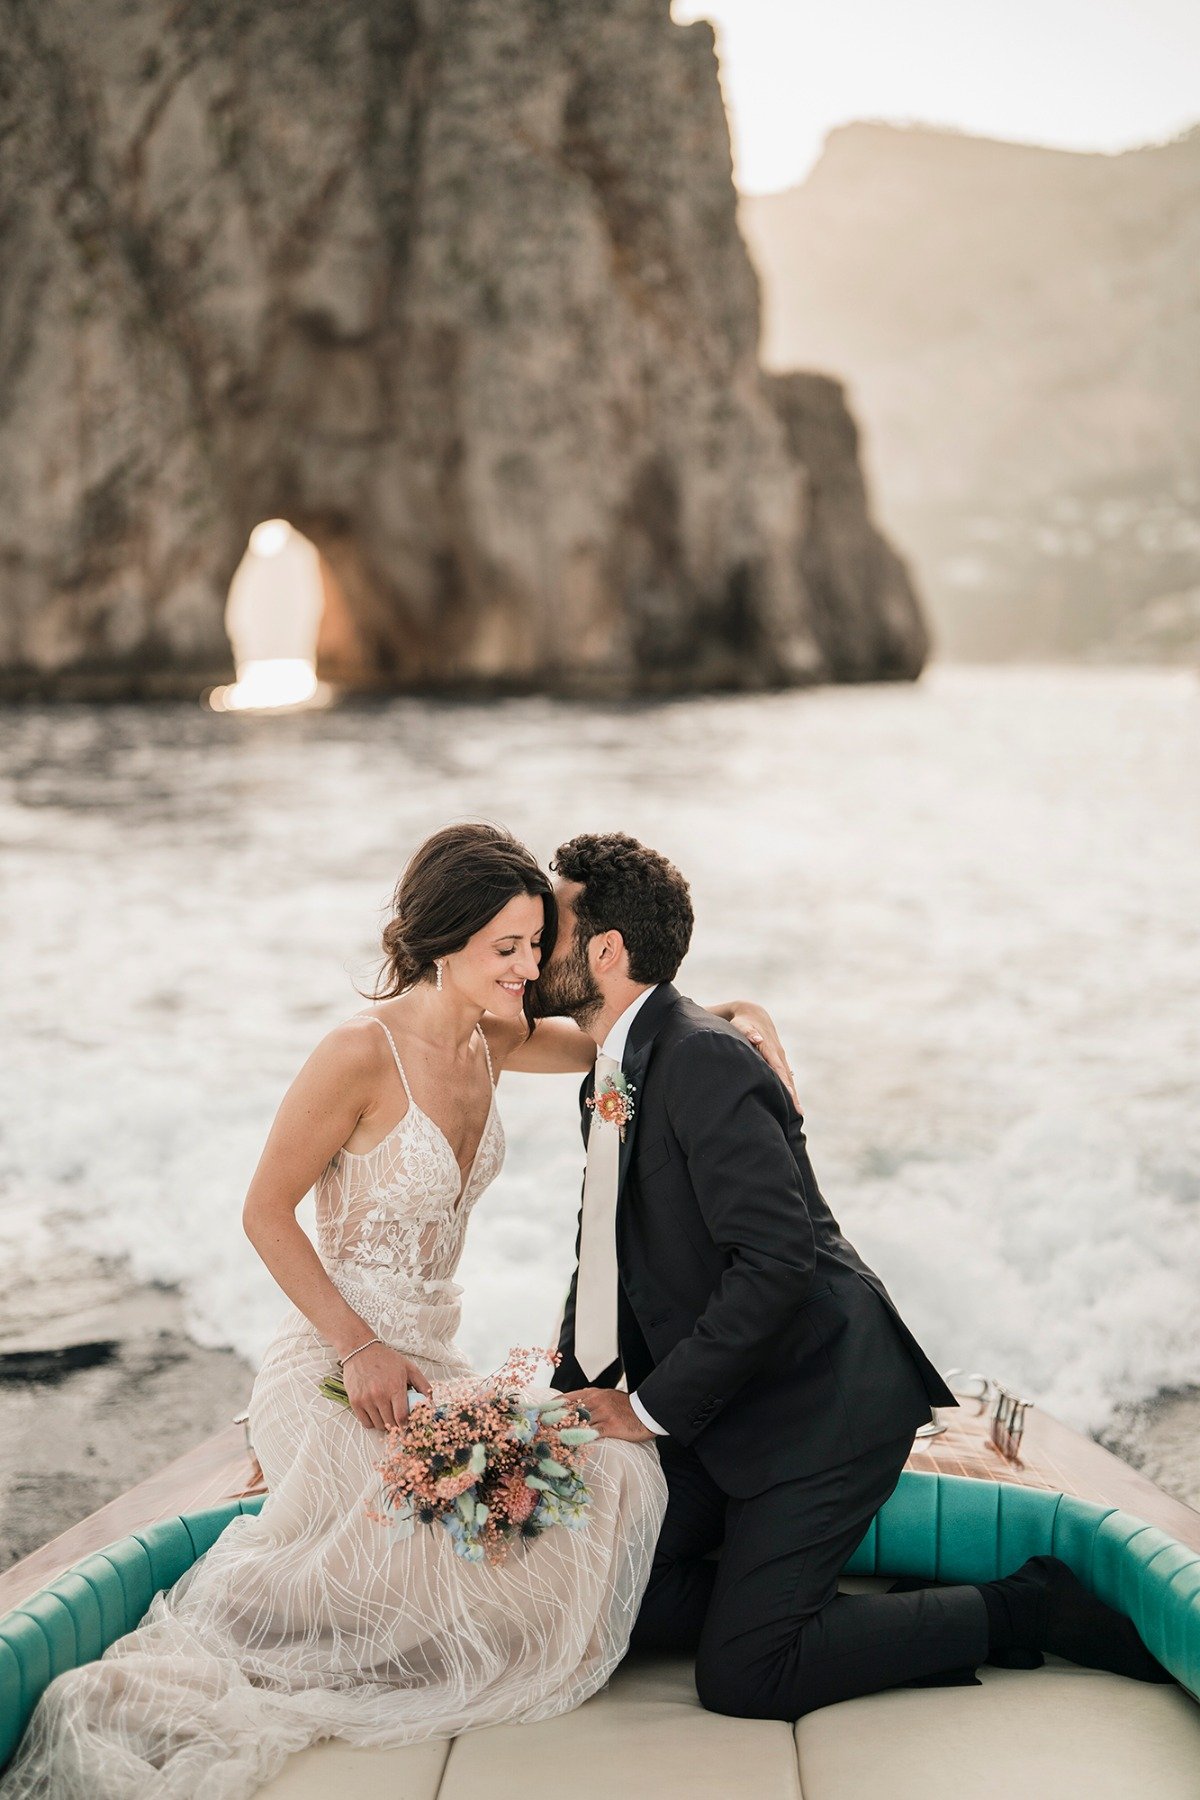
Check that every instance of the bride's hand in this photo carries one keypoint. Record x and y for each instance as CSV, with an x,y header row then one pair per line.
x,y
756,1023
377,1383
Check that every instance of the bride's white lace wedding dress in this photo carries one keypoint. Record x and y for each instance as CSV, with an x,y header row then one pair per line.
x,y
310,1620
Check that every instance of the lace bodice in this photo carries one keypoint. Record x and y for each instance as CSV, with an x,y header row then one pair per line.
x,y
391,1223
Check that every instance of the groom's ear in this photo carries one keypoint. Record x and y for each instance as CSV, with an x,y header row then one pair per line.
x,y
608,953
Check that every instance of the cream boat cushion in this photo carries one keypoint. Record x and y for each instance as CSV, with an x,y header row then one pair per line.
x,y
1032,1734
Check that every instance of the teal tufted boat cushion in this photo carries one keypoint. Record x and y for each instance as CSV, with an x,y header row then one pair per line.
x,y
76,1617
947,1527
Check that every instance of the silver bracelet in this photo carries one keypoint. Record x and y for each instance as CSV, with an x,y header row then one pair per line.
x,y
343,1360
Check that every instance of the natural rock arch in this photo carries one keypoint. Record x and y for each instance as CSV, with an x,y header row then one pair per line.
x,y
457,290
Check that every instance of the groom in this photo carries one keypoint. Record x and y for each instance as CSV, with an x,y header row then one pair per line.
x,y
757,1347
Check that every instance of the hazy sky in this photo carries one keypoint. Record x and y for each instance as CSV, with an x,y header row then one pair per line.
x,y
1080,74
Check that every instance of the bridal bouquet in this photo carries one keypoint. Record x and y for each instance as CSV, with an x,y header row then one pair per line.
x,y
486,1464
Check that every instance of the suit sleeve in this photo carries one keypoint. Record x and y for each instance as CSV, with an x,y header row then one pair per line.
x,y
730,1116
650,1423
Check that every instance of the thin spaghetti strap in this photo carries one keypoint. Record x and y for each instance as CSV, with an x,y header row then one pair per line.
x,y
488,1054
396,1054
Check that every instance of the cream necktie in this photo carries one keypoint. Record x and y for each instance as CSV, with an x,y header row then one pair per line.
x,y
596,1288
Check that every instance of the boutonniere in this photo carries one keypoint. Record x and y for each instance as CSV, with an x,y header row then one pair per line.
x,y
614,1102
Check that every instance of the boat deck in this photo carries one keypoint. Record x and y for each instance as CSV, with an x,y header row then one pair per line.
x,y
1053,1456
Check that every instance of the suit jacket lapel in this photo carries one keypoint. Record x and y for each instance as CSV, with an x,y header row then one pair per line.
x,y
633,1068
586,1090
638,1050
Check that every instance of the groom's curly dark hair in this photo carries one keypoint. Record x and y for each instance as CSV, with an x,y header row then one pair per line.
x,y
631,889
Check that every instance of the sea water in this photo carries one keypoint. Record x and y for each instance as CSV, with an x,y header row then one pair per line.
x,y
972,905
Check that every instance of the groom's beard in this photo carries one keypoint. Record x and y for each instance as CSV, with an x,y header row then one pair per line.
x,y
567,988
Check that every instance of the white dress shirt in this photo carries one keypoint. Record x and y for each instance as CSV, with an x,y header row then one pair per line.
x,y
614,1046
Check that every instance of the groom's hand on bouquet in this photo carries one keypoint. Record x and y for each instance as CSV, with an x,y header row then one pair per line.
x,y
377,1383
611,1413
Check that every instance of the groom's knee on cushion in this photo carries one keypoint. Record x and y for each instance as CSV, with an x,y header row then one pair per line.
x,y
735,1678
726,1688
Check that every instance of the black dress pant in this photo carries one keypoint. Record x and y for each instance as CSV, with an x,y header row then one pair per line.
x,y
772,1637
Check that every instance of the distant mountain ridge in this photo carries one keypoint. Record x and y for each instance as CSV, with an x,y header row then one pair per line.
x,y
1019,331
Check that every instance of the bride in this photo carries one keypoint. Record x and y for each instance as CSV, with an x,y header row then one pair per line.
x,y
310,1620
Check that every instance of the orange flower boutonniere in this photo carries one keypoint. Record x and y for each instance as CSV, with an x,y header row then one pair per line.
x,y
614,1102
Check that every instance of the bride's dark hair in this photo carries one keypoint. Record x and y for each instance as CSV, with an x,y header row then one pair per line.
x,y
451,886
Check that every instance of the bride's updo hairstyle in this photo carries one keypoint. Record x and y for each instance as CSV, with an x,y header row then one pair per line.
x,y
452,886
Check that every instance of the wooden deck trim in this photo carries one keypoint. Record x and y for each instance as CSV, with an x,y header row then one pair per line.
x,y
1053,1456
1056,1457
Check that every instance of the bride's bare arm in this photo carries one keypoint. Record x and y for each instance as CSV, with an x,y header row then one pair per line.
x,y
329,1096
555,1047
559,1047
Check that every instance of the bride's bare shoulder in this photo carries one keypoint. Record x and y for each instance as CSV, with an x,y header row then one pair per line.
x,y
355,1047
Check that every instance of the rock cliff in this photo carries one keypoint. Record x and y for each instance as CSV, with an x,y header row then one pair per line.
x,y
860,597
459,291
1018,326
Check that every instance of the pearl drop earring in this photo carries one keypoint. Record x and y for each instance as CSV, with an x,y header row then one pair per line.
x,y
438,966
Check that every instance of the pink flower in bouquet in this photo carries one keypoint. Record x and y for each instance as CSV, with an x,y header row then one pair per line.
x,y
516,1498
449,1487
488,1463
